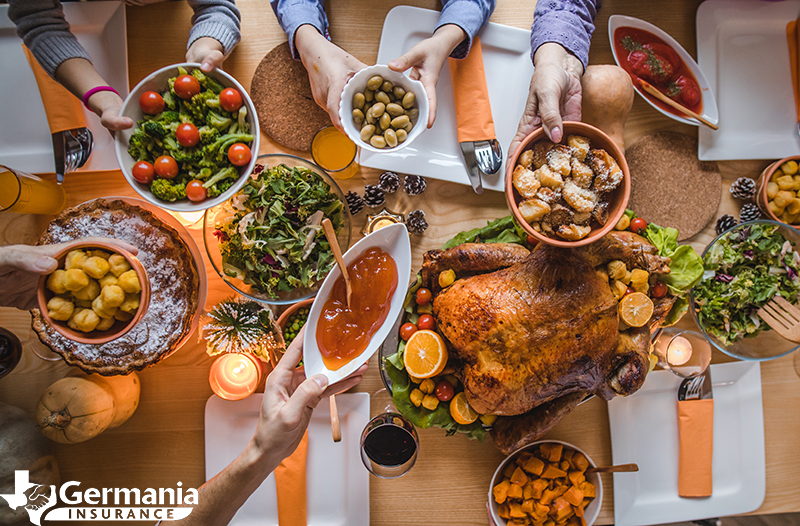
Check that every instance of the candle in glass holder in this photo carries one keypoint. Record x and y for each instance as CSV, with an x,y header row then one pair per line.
x,y
679,351
234,376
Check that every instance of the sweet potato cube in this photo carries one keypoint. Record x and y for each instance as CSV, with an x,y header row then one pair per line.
x,y
579,462
555,453
563,465
567,454
516,511
560,488
503,511
527,491
547,497
515,491
539,485
500,491
523,458
527,506
561,509
544,450
579,510
551,471
519,477
549,522
509,470
541,510
576,477
534,466
517,522
574,496
588,489
574,521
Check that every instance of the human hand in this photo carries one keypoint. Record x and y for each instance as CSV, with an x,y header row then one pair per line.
x,y
289,400
554,96
329,68
21,266
208,52
107,105
426,60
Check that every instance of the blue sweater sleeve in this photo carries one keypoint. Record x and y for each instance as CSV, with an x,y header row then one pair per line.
x,y
566,22
469,15
218,19
292,14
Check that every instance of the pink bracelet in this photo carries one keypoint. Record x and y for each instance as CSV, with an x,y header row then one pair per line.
x,y
95,90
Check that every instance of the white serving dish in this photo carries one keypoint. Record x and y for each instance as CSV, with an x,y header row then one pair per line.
x,y
644,430
392,239
27,145
358,82
507,61
742,47
337,485
710,111
157,81
592,510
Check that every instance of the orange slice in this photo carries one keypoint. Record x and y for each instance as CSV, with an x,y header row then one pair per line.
x,y
461,411
425,354
636,309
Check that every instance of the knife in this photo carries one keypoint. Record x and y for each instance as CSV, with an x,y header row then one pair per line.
x,y
474,173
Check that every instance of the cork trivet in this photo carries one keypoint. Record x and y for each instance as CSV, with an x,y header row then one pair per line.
x,y
282,96
670,186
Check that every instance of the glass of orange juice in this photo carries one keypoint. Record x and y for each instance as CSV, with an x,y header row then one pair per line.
x,y
27,194
335,152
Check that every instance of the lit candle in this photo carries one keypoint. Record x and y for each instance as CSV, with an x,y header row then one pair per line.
x,y
189,219
234,376
679,351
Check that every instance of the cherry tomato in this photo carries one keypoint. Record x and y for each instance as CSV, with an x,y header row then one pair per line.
x,y
166,167
143,172
638,225
629,290
532,241
407,330
186,87
151,103
659,290
424,296
239,154
195,191
444,391
187,134
426,322
230,99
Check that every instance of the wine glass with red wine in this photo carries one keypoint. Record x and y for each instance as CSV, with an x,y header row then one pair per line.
x,y
389,443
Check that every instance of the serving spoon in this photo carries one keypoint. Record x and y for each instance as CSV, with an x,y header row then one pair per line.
x,y
622,468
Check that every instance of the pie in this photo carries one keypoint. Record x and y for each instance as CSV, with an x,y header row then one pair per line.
x,y
174,285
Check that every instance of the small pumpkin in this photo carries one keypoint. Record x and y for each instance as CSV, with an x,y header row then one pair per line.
x,y
607,99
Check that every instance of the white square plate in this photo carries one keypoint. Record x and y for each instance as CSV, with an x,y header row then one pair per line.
x,y
742,48
436,153
25,140
337,482
644,430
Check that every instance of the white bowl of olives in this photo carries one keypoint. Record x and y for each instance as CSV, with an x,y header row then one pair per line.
x,y
382,110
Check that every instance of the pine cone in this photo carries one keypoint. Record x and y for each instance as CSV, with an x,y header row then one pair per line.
x,y
354,202
743,188
414,184
749,212
389,182
373,196
725,223
415,222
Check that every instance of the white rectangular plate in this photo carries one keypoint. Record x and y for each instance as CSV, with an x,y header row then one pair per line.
x,y
436,153
742,48
25,140
337,484
644,430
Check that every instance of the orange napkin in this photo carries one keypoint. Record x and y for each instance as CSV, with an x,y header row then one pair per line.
x,y
696,436
63,109
473,110
793,39
290,479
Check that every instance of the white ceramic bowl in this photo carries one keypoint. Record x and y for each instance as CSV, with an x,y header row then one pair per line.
x,y
592,510
392,239
157,81
358,83
710,110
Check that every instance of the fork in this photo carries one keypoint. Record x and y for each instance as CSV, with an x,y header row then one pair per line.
x,y
693,387
782,317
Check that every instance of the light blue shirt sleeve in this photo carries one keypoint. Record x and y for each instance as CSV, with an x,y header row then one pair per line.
x,y
566,22
292,14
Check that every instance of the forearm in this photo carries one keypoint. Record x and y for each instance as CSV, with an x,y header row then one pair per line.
x,y
79,76
217,19
551,53
569,23
470,16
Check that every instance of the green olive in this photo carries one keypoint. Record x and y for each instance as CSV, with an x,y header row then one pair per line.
x,y
377,141
369,95
358,116
359,100
391,138
374,82
387,86
400,122
413,113
377,110
369,119
382,97
401,135
367,132
394,109
385,121
409,99
408,127
398,92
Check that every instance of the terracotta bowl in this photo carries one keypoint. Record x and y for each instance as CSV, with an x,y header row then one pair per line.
x,y
119,328
761,193
284,317
619,197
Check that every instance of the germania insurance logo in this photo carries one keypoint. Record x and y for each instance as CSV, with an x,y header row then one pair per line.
x,y
92,504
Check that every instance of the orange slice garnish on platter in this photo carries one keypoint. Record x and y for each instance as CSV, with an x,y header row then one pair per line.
x,y
636,309
425,354
461,411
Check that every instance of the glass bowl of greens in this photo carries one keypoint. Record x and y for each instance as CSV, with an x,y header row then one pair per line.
x,y
745,268
266,242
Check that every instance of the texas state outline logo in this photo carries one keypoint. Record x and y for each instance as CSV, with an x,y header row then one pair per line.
x,y
33,497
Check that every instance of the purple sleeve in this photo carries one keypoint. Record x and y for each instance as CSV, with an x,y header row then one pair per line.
x,y
469,15
566,22
292,14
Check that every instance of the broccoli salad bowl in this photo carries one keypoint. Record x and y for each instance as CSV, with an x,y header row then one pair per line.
x,y
194,141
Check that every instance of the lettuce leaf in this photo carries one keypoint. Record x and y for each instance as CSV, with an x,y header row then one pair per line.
x,y
686,266
503,230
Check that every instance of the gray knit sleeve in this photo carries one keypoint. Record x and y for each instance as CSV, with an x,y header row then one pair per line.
x,y
43,28
218,19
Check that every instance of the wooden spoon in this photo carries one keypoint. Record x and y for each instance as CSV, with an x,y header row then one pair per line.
x,y
646,86
622,468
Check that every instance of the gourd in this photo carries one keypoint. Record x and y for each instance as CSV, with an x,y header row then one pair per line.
x,y
80,406
22,447
607,100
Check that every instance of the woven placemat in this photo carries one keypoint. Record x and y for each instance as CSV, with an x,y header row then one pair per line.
x,y
282,96
670,186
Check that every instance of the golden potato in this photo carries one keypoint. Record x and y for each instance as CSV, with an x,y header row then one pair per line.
x,y
548,177
793,207
123,316
789,167
75,279
783,198
526,159
105,324
774,177
113,296
786,217
533,210
540,150
573,232
96,267
525,181
75,259
89,292
558,159
796,186
60,309
786,182
580,199
57,281
102,310
129,281
99,254
84,320
131,303
108,279
772,190
582,175
579,145
775,209
118,264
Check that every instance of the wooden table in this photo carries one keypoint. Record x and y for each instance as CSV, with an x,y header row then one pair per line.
x,y
163,442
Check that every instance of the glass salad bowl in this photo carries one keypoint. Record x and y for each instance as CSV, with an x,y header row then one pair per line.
x,y
766,344
238,279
